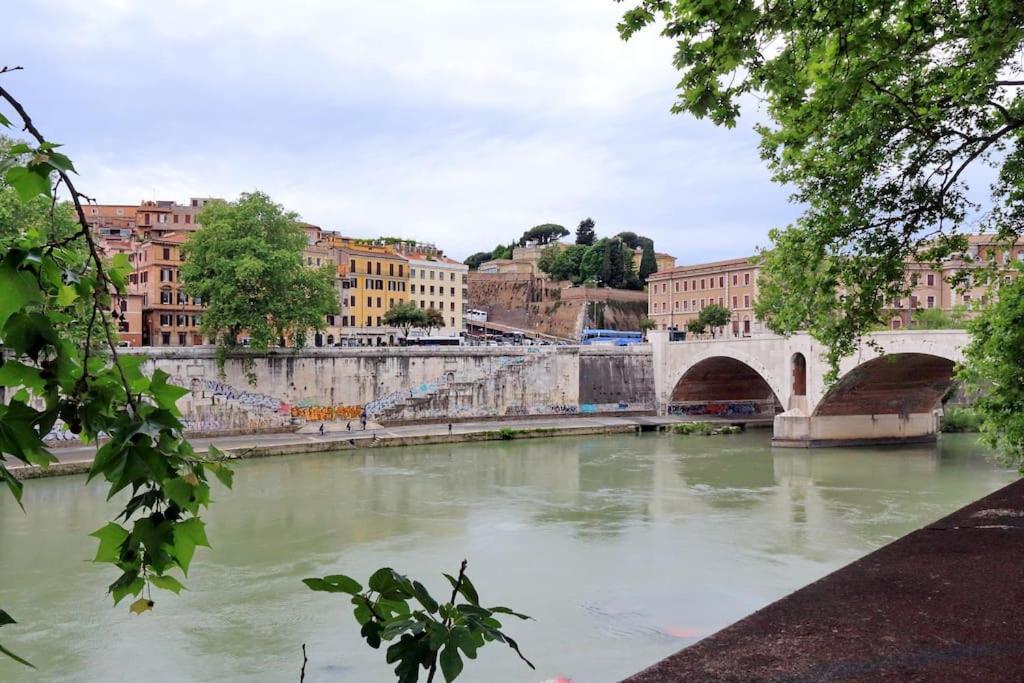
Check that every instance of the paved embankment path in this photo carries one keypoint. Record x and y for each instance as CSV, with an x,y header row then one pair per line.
x,y
77,459
944,603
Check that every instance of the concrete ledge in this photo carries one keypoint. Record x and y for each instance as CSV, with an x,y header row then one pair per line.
x,y
352,441
942,603
870,441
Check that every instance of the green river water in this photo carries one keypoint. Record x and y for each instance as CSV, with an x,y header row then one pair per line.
x,y
623,548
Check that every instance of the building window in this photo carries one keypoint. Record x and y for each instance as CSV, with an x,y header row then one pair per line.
x,y
746,301
369,321
165,319
931,280
188,218
735,302
686,287
686,305
931,302
676,287
165,337
166,297
735,280
431,275
369,301
182,298
746,281
721,281
676,305
369,268
400,268
378,267
702,283
166,275
182,320
702,304
913,301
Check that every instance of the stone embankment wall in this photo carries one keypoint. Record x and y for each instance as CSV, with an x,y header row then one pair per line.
x,y
403,384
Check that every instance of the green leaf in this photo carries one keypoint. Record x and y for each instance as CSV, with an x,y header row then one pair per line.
x,y
166,395
506,610
167,582
4,121
66,296
382,580
111,537
451,662
424,597
28,182
19,660
465,588
14,374
223,473
19,289
187,535
6,618
335,583
13,484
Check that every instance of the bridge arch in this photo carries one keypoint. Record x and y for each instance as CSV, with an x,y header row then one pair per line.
x,y
724,385
900,384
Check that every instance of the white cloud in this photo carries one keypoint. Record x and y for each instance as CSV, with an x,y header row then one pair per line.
x,y
457,121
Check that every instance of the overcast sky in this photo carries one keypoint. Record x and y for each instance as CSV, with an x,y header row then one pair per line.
x,y
461,122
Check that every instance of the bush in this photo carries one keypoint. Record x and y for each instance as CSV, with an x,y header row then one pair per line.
x,y
960,420
705,429
506,433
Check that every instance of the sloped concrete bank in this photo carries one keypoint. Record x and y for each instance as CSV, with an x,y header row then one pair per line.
x,y
944,603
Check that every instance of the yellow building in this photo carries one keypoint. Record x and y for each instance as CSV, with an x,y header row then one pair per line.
x,y
374,279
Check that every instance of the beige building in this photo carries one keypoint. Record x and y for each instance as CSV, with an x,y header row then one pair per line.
x,y
438,282
664,261
524,260
677,295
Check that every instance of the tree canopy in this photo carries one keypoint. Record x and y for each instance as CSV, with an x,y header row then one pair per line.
x,y
543,234
585,233
876,113
245,263
405,315
474,260
714,317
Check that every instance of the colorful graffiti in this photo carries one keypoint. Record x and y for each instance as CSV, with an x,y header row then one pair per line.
x,y
208,387
322,413
588,407
724,409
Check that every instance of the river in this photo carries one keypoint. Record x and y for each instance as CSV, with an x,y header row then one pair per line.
x,y
623,548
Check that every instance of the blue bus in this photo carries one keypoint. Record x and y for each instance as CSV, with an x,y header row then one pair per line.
x,y
610,337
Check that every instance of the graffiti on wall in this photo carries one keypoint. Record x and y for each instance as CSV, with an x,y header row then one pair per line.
x,y
201,388
721,409
323,413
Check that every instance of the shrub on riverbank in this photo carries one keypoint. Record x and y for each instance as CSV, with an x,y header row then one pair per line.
x,y
506,433
705,429
960,420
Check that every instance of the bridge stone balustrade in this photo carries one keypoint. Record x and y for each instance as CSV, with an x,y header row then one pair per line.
x,y
889,391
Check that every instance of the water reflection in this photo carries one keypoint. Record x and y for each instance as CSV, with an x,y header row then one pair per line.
x,y
623,548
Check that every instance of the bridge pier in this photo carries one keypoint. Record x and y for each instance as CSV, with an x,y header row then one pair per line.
x,y
793,429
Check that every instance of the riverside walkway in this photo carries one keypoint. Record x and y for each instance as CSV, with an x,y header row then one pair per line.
x,y
77,459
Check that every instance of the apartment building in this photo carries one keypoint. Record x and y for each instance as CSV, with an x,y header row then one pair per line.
x,y
156,312
375,278
438,282
677,296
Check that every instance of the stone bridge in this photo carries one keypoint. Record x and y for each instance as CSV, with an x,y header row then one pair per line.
x,y
887,392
